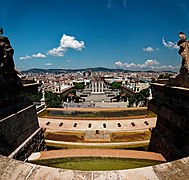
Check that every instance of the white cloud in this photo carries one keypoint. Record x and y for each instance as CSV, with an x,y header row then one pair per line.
x,y
166,68
68,61
148,49
169,44
130,65
118,63
39,55
48,64
66,42
169,67
25,57
147,63
57,52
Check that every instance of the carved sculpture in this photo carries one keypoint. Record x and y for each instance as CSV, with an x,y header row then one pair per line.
x,y
8,74
182,79
184,52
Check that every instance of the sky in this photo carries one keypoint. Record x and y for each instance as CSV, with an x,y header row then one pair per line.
x,y
71,34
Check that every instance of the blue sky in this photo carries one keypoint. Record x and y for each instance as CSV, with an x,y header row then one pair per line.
x,y
129,34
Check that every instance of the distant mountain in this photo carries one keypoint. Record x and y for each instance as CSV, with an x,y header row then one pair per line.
x,y
96,69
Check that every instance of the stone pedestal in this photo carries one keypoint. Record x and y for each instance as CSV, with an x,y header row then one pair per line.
x,y
170,137
18,122
181,80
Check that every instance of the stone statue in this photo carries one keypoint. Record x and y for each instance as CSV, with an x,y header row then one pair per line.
x,y
184,52
8,74
182,79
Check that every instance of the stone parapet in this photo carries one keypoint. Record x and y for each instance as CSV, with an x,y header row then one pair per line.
x,y
171,134
18,121
13,169
14,98
35,143
16,128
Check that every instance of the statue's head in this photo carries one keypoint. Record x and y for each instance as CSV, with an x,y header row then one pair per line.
x,y
182,36
1,30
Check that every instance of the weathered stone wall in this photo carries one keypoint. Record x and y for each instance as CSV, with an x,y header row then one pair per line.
x,y
12,99
170,137
35,143
18,120
16,128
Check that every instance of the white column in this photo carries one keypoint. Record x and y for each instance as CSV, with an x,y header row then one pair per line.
x,y
92,86
102,84
99,87
95,86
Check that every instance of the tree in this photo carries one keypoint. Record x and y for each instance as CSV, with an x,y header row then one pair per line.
x,y
143,96
115,85
153,80
73,92
35,97
116,97
79,85
53,100
139,97
76,99
145,92
131,100
165,76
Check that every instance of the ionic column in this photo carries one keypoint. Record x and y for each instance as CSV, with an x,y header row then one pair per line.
x,y
95,86
92,86
98,86
102,84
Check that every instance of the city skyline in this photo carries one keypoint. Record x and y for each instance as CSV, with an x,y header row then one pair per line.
x,y
139,35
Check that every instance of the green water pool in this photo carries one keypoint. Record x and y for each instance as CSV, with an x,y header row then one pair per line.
x,y
113,113
96,163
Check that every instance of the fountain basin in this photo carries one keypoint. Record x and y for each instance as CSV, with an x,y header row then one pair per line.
x,y
96,159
